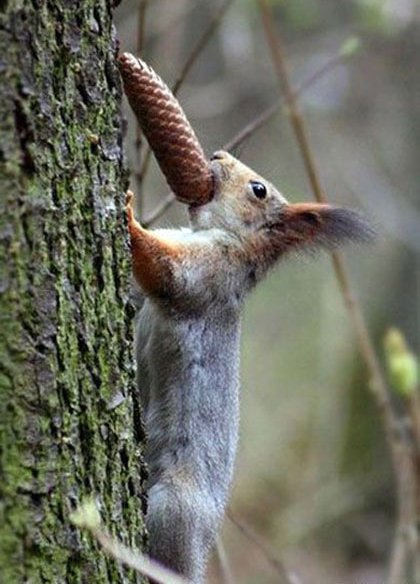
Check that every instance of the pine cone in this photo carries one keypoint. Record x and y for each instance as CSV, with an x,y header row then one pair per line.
x,y
168,132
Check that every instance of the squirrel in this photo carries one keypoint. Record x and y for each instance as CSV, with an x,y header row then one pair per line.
x,y
195,281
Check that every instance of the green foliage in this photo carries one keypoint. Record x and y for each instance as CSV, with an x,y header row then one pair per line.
x,y
86,515
350,47
402,364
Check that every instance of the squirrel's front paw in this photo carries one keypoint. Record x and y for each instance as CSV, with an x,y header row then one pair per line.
x,y
129,196
133,224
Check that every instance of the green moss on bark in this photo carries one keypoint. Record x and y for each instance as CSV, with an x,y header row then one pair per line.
x,y
68,422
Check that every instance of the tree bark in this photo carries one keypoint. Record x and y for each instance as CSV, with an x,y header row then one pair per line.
x,y
69,417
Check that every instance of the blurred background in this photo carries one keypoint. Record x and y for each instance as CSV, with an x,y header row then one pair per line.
x,y
313,479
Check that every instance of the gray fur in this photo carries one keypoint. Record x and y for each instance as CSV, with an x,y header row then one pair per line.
x,y
189,379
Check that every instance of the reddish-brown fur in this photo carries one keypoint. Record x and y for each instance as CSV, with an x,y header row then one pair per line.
x,y
152,256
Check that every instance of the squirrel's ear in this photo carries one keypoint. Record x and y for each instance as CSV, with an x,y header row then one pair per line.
x,y
310,226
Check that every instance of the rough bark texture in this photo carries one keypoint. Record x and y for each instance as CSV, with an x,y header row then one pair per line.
x,y
69,421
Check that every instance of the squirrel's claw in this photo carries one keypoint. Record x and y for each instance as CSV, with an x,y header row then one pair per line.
x,y
129,197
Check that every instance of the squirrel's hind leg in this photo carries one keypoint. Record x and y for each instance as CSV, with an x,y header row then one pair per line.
x,y
182,529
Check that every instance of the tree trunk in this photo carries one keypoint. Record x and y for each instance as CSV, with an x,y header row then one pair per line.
x,y
69,417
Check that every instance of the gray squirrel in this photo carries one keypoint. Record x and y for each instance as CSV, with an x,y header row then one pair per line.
x,y
187,343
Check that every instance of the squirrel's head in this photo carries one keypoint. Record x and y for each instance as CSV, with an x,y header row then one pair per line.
x,y
249,207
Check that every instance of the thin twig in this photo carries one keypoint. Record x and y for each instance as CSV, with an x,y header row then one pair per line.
x,y
159,210
226,576
141,26
413,407
136,560
405,541
253,126
395,434
332,500
270,556
87,517
195,53
270,112
201,44
294,115
413,404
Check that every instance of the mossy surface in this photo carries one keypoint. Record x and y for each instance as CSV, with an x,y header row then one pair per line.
x,y
68,422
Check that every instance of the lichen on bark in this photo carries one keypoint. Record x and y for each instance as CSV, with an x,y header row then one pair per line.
x,y
69,418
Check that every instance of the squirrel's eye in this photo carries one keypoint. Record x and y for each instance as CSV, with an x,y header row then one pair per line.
x,y
259,190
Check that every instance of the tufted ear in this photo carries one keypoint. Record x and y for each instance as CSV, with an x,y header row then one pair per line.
x,y
310,226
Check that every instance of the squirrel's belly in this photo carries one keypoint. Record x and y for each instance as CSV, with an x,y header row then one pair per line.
x,y
192,410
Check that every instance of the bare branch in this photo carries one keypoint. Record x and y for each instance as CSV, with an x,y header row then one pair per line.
x,y
136,560
87,517
268,553
405,547
270,112
290,98
139,143
224,566
159,210
253,126
413,406
141,26
201,44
